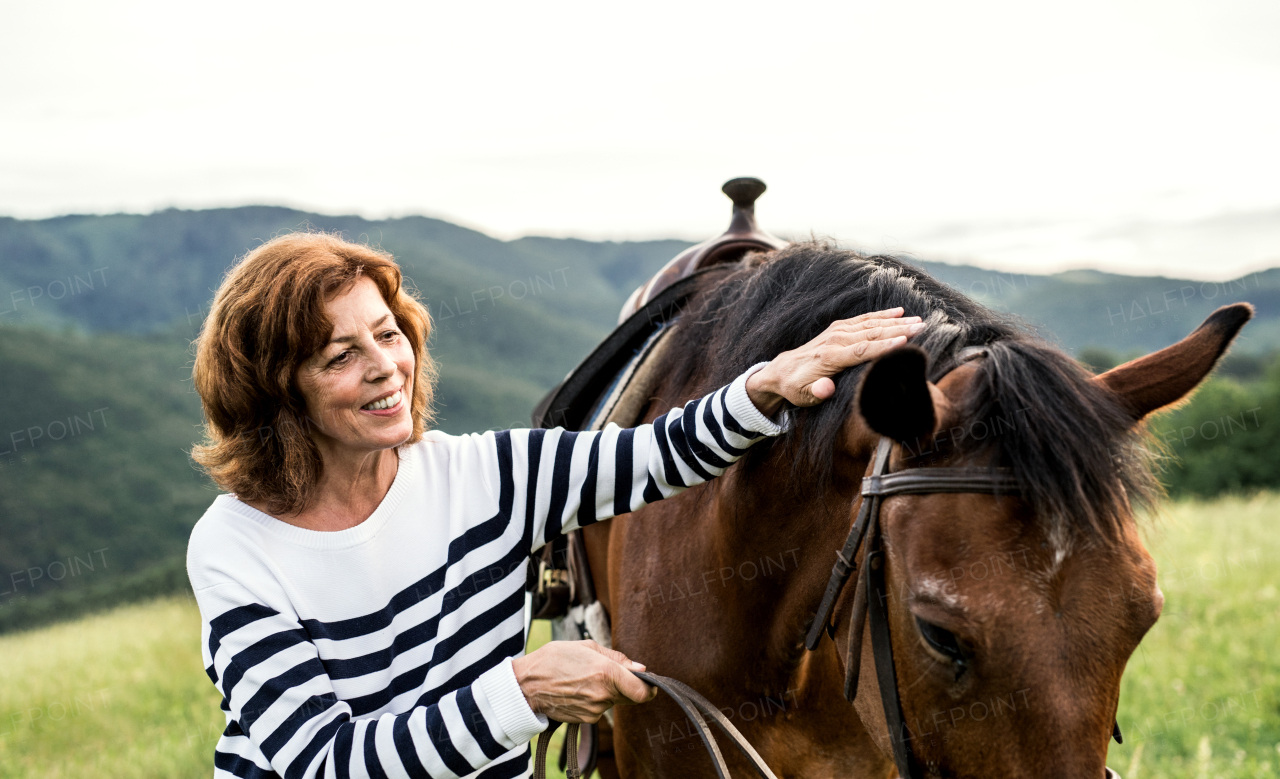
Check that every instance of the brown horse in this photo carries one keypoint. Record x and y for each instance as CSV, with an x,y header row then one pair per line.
x,y
1011,618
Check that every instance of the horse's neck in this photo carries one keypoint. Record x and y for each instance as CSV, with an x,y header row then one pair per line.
x,y
781,541
764,517
772,539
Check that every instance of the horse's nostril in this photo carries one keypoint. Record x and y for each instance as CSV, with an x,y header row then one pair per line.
x,y
1110,774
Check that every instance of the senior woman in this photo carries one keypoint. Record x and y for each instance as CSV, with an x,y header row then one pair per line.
x,y
361,582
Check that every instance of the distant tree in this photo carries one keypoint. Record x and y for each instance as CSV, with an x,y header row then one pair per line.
x,y
1226,439
1246,367
1098,358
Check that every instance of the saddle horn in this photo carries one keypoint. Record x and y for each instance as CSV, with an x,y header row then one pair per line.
x,y
743,236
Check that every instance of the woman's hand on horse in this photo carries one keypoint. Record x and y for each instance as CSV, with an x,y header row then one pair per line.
x,y
803,376
577,681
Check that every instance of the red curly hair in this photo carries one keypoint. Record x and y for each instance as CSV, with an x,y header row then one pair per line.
x,y
267,318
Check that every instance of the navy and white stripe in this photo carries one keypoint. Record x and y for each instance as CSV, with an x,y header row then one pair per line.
x,y
385,650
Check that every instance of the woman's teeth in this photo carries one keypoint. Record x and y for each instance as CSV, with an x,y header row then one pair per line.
x,y
384,403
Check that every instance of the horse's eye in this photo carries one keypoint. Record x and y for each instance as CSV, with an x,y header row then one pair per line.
x,y
942,640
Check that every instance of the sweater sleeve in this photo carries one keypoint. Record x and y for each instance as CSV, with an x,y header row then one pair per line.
x,y
281,705
564,480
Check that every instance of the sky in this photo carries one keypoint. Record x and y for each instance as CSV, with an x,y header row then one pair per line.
x,y
1135,137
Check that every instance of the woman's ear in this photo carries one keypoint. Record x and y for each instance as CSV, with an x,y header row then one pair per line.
x,y
894,398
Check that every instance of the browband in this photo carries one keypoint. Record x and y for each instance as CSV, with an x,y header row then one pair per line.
x,y
916,481
920,481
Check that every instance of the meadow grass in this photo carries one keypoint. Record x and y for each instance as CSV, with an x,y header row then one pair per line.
x,y
1201,696
117,694
123,693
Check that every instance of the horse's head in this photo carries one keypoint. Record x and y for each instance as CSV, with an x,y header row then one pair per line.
x,y
1012,618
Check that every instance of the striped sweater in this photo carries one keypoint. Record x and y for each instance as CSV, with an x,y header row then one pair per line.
x,y
384,650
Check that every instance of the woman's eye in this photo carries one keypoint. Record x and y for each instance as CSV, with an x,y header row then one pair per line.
x,y
340,359
941,639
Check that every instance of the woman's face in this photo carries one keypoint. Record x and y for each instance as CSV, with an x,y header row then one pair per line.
x,y
359,386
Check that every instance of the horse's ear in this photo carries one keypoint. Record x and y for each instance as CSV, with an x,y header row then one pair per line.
x,y
1162,378
894,397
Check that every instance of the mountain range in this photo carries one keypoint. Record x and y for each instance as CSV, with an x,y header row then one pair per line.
x,y
97,315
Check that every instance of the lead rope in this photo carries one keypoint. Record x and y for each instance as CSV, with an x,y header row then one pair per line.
x,y
694,707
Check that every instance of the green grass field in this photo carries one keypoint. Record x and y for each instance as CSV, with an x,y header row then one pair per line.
x,y
123,693
1201,696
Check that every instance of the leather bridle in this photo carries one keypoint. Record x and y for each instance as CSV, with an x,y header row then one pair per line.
x,y
871,595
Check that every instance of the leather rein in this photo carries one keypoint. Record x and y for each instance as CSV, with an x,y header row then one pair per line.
x,y
697,708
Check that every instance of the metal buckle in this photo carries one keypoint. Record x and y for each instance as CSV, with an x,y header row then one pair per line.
x,y
551,577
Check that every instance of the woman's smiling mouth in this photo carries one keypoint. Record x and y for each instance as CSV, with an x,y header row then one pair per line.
x,y
388,403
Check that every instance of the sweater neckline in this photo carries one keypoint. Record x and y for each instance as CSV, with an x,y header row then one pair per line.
x,y
334,539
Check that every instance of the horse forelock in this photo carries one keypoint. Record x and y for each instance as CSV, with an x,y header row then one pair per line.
x,y
1076,453
1029,407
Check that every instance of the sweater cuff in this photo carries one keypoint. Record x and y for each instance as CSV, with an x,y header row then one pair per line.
x,y
743,410
498,694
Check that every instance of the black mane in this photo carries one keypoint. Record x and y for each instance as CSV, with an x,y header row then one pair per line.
x,y
1072,447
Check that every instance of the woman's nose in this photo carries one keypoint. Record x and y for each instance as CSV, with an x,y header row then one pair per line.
x,y
382,362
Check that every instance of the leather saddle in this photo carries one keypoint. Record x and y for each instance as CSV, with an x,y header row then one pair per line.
x,y
613,384
556,578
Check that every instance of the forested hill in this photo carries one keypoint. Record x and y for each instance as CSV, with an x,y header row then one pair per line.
x,y
97,414
512,317
141,274
1129,315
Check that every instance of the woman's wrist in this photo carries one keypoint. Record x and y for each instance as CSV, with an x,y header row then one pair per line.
x,y
504,705
520,666
762,390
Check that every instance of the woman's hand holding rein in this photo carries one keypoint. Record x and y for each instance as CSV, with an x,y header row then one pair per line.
x,y
577,681
803,375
